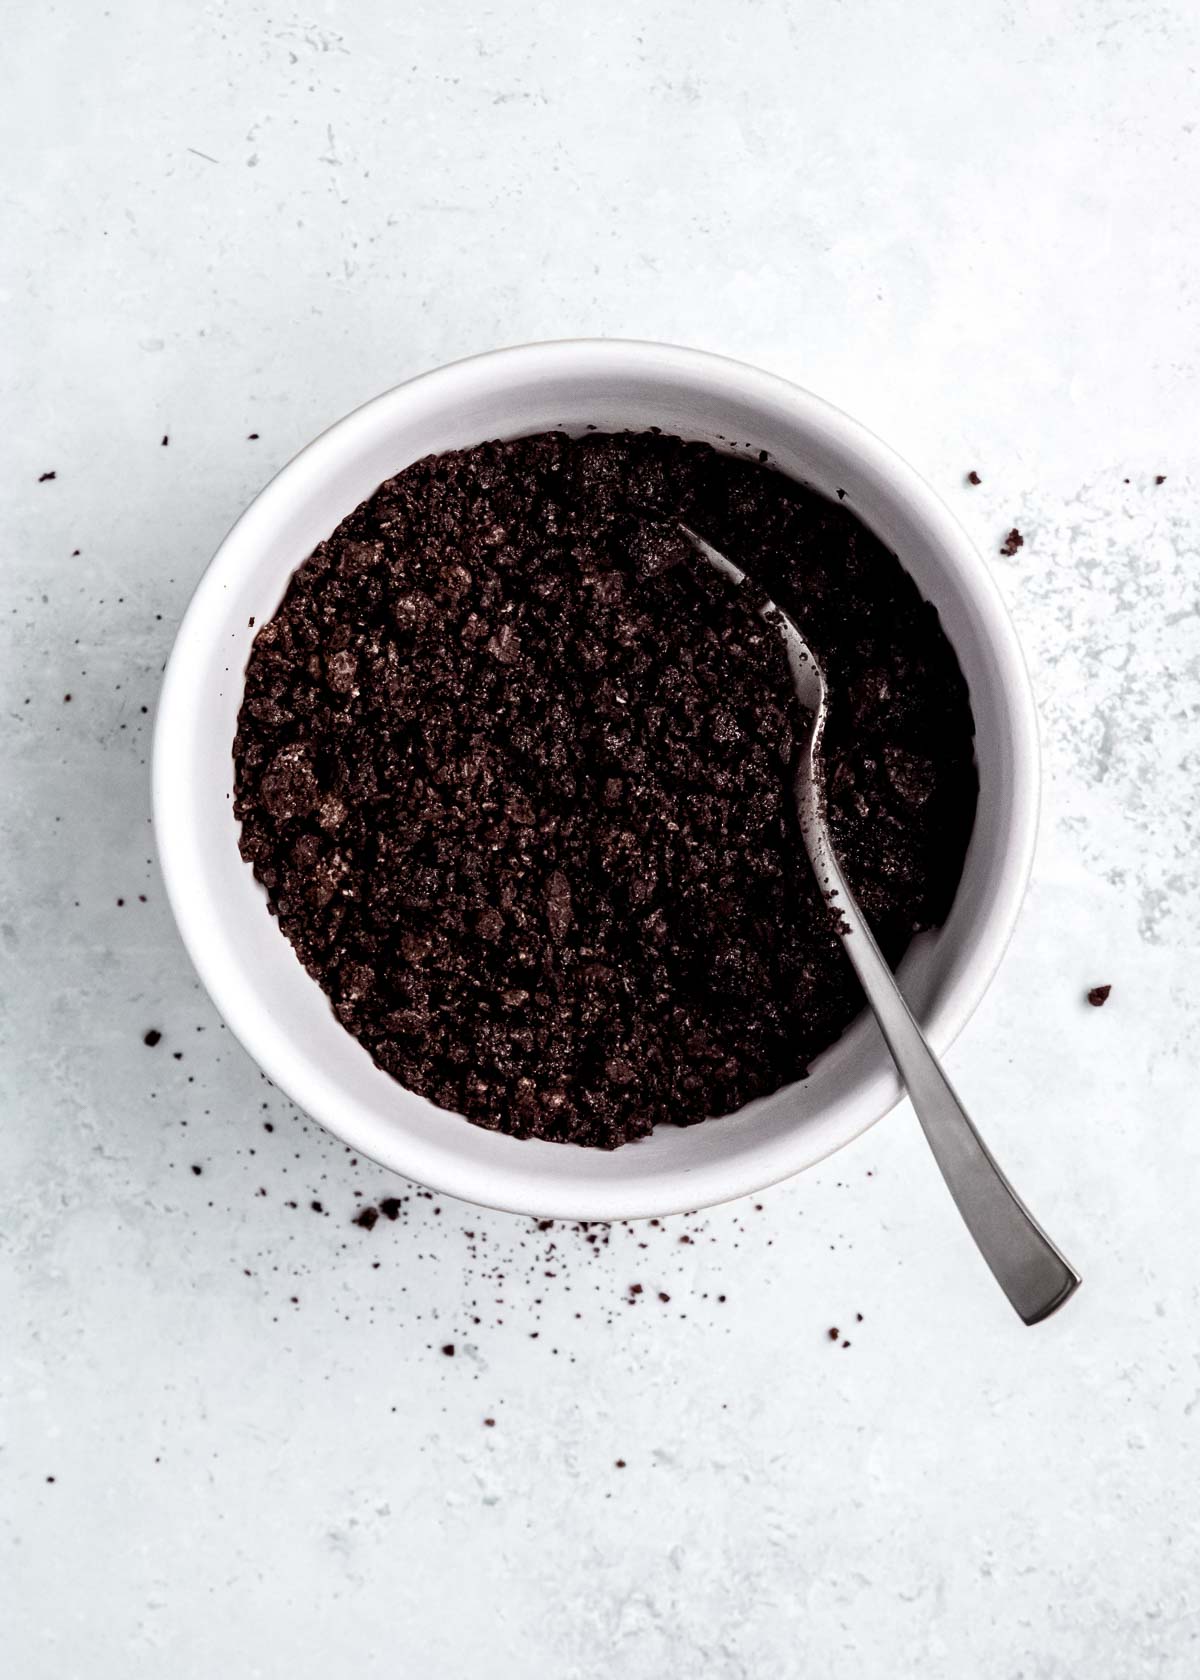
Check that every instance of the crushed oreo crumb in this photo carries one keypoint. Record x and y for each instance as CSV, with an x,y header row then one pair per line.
x,y
973,477
152,1037
1012,542
1098,996
513,765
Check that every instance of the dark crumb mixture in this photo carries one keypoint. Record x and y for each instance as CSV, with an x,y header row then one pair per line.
x,y
1098,996
1012,542
973,477
513,766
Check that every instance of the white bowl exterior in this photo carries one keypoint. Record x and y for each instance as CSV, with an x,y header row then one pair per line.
x,y
281,1015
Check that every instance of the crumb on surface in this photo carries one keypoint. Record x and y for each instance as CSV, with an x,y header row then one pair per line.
x,y
1012,542
1098,996
973,477
152,1037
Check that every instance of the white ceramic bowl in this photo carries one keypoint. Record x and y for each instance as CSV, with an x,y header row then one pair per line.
x,y
280,1014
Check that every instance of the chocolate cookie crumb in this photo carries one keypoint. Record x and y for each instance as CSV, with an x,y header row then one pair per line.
x,y
973,477
1160,478
44,477
389,1207
1012,542
152,1037
252,437
514,766
166,440
448,1350
196,1169
620,1464
317,1207
1098,996
366,1217
489,1423
833,1333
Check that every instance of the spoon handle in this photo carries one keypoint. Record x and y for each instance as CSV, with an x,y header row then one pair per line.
x,y
1026,1264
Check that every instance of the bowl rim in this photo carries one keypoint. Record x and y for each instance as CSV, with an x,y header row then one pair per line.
x,y
611,1199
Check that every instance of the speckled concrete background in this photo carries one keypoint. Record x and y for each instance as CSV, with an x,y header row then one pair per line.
x,y
232,1444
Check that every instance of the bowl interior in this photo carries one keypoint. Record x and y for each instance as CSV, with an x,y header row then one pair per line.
x,y
281,1015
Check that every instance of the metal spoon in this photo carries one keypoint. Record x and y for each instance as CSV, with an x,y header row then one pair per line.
x,y
1026,1264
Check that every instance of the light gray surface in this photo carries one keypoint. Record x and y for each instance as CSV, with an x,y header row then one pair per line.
x,y
973,228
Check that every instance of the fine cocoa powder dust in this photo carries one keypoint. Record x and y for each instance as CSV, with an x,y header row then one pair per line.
x,y
513,766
